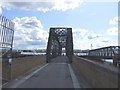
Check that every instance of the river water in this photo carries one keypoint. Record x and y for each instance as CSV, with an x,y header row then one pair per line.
x,y
79,54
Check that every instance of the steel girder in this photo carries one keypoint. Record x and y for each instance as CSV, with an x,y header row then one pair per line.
x,y
59,38
111,52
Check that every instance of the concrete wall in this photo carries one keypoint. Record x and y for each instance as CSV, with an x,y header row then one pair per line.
x,y
96,74
22,65
5,70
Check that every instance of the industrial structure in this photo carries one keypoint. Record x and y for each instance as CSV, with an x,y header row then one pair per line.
x,y
59,38
111,52
52,70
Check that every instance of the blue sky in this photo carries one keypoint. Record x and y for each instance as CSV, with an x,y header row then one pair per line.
x,y
93,23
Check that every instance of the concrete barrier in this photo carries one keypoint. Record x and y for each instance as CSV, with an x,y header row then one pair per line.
x,y
96,74
21,65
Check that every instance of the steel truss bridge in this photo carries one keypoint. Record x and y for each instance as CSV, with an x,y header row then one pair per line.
x,y
58,72
111,52
60,38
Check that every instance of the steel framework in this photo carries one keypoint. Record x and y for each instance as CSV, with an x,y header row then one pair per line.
x,y
6,35
105,52
111,52
59,38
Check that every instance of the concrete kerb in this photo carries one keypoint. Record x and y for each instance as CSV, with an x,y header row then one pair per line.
x,y
99,76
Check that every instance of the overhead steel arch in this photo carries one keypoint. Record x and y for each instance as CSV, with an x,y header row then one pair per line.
x,y
59,38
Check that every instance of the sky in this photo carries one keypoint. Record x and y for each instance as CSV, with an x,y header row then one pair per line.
x,y
94,24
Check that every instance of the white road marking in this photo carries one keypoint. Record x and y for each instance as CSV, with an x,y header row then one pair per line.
x,y
36,71
3,84
74,78
27,77
58,63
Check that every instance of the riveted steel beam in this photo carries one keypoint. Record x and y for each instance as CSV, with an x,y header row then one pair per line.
x,y
59,38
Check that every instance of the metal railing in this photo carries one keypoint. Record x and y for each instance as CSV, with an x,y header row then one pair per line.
x,y
109,52
6,35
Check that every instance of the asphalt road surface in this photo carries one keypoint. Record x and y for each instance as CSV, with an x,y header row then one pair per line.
x,y
56,74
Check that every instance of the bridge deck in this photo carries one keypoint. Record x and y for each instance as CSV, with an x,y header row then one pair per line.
x,y
56,74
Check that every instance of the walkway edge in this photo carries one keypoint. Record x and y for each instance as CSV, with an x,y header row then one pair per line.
x,y
15,85
74,78
36,71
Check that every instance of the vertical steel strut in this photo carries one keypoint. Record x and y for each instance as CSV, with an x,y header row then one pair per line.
x,y
59,38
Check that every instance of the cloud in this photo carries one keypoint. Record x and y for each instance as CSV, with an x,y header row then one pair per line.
x,y
105,40
0,9
114,20
83,38
85,43
29,33
113,31
83,33
44,6
78,31
67,4
93,36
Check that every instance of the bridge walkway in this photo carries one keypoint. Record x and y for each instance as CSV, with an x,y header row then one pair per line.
x,y
56,74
